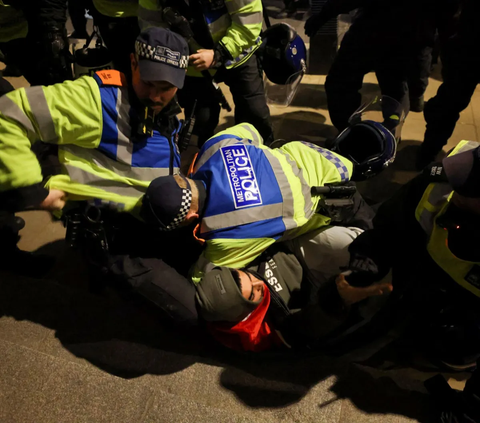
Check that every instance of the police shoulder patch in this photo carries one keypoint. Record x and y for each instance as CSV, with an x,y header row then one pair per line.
x,y
435,172
112,77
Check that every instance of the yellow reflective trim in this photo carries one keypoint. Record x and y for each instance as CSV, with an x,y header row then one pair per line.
x,y
463,146
394,117
456,268
81,192
424,204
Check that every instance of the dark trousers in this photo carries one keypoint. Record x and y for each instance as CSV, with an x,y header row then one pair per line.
x,y
472,392
461,76
33,67
358,55
76,10
119,35
245,83
419,72
152,264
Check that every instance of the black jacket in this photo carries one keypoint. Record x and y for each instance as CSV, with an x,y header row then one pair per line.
x,y
397,24
397,242
42,15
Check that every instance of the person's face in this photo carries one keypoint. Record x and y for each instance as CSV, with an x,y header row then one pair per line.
x,y
252,287
154,94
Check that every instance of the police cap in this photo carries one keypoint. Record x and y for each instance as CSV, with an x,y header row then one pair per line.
x,y
463,172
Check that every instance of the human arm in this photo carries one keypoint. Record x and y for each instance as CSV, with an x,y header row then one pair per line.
x,y
246,26
395,232
55,200
68,113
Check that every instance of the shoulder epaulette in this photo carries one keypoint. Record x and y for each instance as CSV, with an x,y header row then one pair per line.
x,y
112,77
436,172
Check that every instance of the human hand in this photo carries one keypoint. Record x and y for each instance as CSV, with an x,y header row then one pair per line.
x,y
202,59
313,24
353,294
55,200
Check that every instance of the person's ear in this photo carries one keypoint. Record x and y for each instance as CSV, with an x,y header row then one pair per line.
x,y
133,61
192,216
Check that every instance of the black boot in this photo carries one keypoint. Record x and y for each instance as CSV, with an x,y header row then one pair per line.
x,y
417,104
454,406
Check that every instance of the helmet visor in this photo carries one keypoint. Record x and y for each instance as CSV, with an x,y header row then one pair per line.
x,y
385,110
282,95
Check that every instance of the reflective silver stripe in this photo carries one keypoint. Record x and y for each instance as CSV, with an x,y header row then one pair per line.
x,y
469,145
220,25
212,150
438,195
306,189
41,113
9,109
124,130
241,217
244,54
235,5
247,18
101,160
285,189
83,177
255,136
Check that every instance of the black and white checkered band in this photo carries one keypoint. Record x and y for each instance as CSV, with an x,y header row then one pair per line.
x,y
161,54
184,208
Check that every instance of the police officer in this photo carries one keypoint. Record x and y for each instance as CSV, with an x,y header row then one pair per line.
x,y
12,258
385,37
287,297
113,134
118,25
246,196
33,38
229,34
460,78
427,233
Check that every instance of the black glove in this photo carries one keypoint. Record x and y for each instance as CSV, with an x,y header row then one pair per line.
x,y
313,24
360,263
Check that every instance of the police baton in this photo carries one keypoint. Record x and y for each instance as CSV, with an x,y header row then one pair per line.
x,y
181,26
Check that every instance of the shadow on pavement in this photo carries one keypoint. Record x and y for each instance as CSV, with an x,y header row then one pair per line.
x,y
128,338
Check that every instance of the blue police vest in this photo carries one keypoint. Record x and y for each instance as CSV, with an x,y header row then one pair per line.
x,y
116,142
244,192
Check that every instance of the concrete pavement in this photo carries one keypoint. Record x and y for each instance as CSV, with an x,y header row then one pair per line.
x,y
72,356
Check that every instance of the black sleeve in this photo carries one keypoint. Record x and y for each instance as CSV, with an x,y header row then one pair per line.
x,y
324,313
362,214
395,229
24,198
43,15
